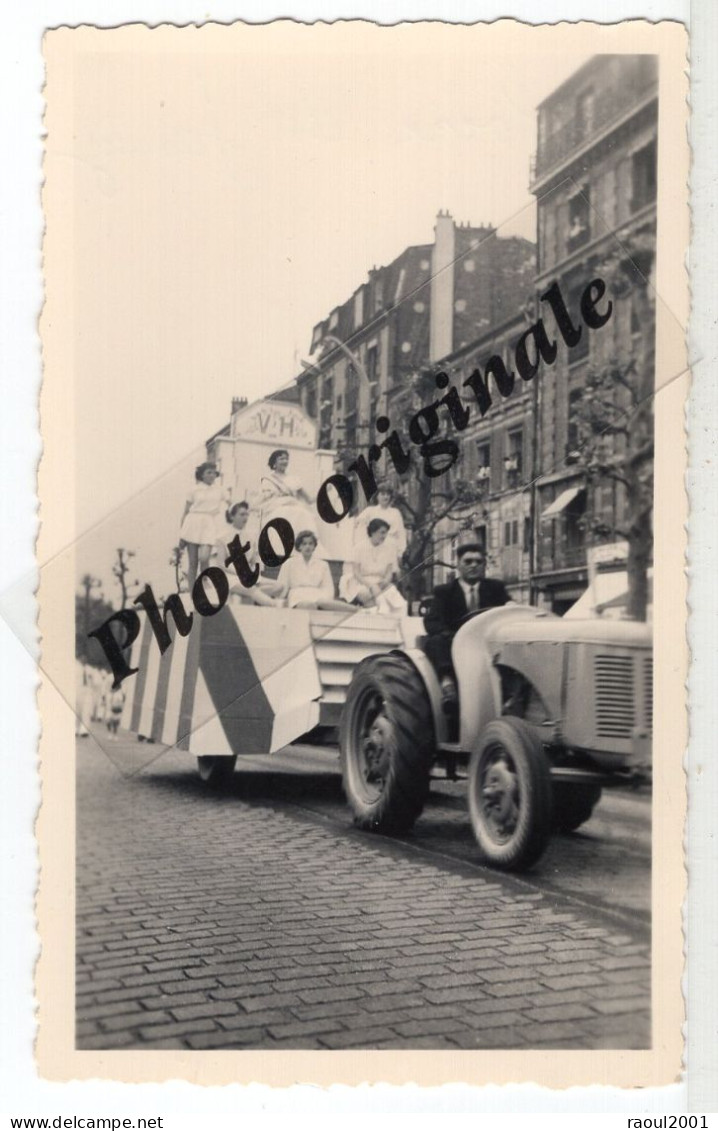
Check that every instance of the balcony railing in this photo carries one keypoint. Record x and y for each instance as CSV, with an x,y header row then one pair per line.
x,y
609,107
562,557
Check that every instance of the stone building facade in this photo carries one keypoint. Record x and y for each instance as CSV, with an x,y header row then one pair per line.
x,y
435,307
497,457
431,300
594,179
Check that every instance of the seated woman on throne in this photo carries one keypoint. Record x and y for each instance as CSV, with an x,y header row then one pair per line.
x,y
282,495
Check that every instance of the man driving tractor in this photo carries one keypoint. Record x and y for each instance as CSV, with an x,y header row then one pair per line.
x,y
451,603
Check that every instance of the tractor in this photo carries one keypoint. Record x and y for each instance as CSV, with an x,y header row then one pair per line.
x,y
550,710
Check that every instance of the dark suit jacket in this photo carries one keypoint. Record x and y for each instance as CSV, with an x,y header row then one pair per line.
x,y
449,604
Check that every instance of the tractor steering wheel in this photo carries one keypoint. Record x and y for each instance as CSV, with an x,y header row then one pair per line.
x,y
474,613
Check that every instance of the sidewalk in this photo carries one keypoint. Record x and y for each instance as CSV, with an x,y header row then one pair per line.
x,y
204,922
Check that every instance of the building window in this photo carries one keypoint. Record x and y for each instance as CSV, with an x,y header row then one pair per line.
x,y
511,533
326,413
351,390
643,177
481,536
573,437
579,219
513,461
585,115
334,320
575,529
359,308
399,286
371,364
483,471
378,295
542,131
527,535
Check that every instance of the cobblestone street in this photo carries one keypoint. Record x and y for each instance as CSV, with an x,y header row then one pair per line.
x,y
208,921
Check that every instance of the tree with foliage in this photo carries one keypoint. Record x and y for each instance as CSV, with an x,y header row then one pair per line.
x,y
90,612
424,500
614,420
120,570
88,583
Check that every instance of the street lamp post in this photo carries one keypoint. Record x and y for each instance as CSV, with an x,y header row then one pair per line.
x,y
353,359
349,354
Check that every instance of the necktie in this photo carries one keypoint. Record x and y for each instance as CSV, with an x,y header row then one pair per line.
x,y
473,598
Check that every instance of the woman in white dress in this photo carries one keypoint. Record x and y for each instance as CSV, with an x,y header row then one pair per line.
x,y
260,592
384,509
305,580
201,517
284,497
370,581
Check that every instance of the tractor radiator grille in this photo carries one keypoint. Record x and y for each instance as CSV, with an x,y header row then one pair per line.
x,y
648,691
615,696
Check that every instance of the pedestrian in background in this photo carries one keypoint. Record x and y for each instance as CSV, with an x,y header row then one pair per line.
x,y
115,706
83,699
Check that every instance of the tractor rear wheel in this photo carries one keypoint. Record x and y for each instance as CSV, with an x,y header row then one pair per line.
x,y
510,795
573,804
217,771
387,744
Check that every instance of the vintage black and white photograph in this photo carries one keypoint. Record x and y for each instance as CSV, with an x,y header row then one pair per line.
x,y
360,426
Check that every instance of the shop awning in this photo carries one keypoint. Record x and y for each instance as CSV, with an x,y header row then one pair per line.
x,y
564,500
606,597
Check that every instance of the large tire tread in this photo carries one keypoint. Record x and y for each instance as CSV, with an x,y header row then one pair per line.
x,y
407,783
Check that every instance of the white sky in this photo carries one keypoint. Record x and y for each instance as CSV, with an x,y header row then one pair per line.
x,y
226,196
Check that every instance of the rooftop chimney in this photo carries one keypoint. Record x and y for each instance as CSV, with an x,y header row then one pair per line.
x,y
441,318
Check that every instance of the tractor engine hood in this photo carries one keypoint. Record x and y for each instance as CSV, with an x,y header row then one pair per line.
x,y
540,626
535,643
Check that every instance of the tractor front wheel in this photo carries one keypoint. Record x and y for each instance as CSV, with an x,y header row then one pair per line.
x,y
510,795
387,744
